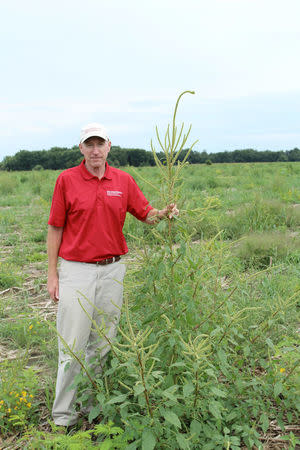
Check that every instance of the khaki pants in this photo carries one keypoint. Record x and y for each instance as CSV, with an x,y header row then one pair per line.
x,y
103,287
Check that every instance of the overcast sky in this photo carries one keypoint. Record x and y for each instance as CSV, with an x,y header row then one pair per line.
x,y
123,63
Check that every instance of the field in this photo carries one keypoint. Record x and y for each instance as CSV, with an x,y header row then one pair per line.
x,y
208,352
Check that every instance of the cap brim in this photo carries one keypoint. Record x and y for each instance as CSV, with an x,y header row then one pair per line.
x,y
93,134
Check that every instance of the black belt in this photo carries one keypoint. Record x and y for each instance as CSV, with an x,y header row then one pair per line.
x,y
104,262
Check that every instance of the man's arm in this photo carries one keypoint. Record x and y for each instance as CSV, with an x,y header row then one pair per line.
x,y
154,215
53,244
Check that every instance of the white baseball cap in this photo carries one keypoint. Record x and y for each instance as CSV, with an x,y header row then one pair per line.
x,y
93,129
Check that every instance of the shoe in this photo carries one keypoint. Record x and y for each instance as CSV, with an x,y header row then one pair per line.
x,y
72,429
68,429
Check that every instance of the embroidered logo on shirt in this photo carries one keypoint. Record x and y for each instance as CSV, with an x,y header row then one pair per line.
x,y
114,193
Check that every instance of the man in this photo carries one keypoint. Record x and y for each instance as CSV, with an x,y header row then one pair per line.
x,y
87,215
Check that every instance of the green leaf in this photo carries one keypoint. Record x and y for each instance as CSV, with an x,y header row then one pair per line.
x,y
171,417
215,409
232,415
182,442
278,388
114,362
196,427
95,411
178,364
100,397
210,373
170,396
246,350
218,392
117,399
270,344
107,444
222,357
133,446
138,389
170,393
182,249
188,388
162,226
264,421
157,374
148,440
236,442
209,446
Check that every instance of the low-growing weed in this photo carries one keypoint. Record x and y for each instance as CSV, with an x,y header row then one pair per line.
x,y
39,236
23,178
22,331
212,183
18,397
8,185
46,192
108,436
10,276
196,184
7,217
36,256
36,189
10,240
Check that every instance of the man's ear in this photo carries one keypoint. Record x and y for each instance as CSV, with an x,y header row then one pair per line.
x,y
80,148
109,145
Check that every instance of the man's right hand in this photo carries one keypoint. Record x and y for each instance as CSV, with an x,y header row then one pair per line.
x,y
52,287
53,243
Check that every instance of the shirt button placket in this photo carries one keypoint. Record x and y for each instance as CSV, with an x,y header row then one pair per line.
x,y
100,193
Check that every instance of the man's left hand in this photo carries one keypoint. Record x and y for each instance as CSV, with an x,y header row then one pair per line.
x,y
168,212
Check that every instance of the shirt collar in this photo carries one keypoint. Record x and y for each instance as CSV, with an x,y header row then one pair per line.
x,y
88,176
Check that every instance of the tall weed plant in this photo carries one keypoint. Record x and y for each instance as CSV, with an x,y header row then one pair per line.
x,y
192,366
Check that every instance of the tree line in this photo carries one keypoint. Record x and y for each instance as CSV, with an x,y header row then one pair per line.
x,y
62,157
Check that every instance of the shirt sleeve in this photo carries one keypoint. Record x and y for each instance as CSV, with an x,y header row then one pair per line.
x,y
137,203
57,216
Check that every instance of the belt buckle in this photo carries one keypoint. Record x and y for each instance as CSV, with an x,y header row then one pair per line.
x,y
106,261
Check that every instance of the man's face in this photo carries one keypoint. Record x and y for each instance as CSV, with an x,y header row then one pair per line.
x,y
95,151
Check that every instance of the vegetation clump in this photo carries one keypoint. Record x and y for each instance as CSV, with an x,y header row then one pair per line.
x,y
38,167
18,403
263,249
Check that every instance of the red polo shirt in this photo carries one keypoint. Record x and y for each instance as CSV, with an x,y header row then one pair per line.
x,y
93,211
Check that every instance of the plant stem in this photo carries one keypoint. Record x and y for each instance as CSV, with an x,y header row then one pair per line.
x,y
142,372
196,390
